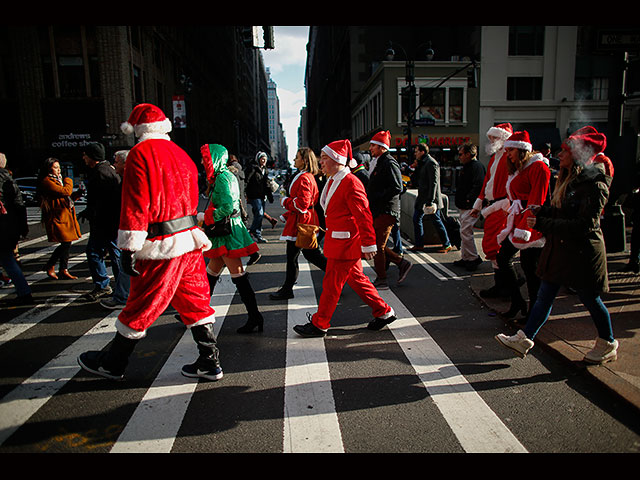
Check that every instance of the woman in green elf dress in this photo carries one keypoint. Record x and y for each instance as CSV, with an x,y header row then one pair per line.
x,y
228,249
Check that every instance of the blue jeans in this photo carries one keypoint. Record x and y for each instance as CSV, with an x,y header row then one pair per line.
x,y
121,289
542,309
257,205
9,263
98,247
436,220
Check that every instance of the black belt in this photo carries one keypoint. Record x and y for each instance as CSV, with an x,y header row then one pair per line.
x,y
491,202
171,226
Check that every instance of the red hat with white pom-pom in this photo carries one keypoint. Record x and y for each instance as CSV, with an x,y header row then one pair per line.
x,y
146,118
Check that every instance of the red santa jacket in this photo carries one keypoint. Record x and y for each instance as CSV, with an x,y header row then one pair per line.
x,y
495,184
526,188
160,183
348,218
303,195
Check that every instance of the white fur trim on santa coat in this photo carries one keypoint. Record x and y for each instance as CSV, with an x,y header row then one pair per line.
x,y
502,204
163,248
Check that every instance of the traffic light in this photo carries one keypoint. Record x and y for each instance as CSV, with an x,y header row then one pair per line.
x,y
269,42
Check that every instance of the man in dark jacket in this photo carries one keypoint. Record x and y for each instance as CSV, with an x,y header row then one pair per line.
x,y
257,188
103,213
427,175
13,225
467,190
383,192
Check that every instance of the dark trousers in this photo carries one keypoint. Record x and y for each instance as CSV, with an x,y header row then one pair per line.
x,y
60,254
528,261
314,256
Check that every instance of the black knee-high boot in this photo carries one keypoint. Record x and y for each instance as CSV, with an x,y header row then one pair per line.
x,y
110,363
213,279
208,363
249,299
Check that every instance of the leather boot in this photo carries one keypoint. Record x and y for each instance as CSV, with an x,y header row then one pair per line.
x,y
248,297
208,363
213,279
110,363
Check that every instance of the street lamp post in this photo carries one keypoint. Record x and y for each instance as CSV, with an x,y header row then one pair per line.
x,y
409,90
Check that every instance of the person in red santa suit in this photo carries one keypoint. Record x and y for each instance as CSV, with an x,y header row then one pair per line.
x,y
299,204
527,189
162,249
492,200
349,238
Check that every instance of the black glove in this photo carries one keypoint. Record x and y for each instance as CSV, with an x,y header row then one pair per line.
x,y
128,261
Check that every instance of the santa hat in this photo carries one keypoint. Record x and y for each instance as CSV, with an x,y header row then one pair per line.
x,y
146,118
382,138
340,151
519,140
585,143
502,131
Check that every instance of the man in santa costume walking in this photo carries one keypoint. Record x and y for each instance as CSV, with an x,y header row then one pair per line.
x,y
349,238
492,202
161,249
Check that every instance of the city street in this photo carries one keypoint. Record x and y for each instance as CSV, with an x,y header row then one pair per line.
x,y
433,381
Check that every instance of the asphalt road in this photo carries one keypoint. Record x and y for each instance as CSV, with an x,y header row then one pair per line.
x,y
434,381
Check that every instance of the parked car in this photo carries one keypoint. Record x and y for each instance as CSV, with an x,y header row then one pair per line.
x,y
27,186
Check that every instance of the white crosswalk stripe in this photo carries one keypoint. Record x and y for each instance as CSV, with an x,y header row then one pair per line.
x,y
310,419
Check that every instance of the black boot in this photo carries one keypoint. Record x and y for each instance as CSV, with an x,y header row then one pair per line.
x,y
496,290
208,363
110,363
249,299
213,279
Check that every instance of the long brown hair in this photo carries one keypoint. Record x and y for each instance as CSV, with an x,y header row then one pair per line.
x,y
310,160
522,159
565,176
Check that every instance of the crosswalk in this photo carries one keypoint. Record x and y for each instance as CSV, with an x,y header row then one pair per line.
x,y
310,417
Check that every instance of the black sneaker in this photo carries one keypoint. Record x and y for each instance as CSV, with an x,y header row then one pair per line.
x,y
210,370
253,258
404,267
92,362
309,330
97,293
378,322
22,301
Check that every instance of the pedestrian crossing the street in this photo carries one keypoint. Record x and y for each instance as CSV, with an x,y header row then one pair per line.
x,y
311,418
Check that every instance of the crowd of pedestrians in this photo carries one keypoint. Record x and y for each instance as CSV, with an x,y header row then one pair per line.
x,y
336,210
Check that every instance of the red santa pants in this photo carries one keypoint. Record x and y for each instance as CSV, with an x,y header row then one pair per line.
x,y
493,225
180,282
337,274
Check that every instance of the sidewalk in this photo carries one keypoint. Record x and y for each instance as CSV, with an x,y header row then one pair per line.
x,y
570,331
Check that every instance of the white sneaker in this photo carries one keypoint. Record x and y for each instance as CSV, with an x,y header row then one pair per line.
x,y
519,342
602,352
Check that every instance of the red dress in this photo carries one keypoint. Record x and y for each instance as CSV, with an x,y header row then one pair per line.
x,y
526,188
303,195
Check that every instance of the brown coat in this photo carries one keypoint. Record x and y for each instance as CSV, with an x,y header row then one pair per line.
x,y
58,214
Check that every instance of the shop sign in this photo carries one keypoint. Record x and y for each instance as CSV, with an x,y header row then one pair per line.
x,y
71,140
442,141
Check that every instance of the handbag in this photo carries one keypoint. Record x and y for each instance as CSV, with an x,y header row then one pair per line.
x,y
220,228
307,236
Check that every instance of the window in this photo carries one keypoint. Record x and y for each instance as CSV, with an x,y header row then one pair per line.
x,y
524,88
526,40
445,105
591,89
369,116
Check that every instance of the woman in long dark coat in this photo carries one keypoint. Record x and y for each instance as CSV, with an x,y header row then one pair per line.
x,y
574,254
58,216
